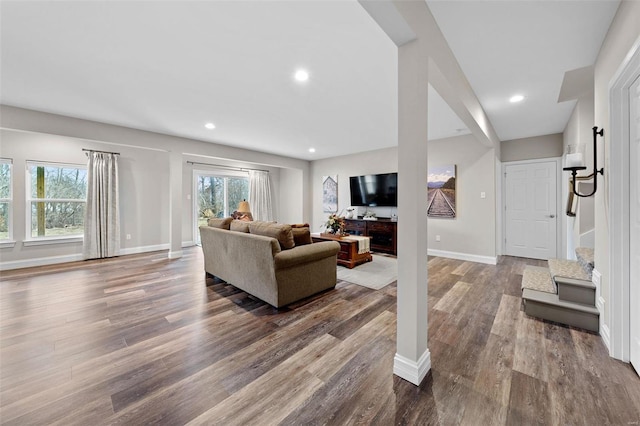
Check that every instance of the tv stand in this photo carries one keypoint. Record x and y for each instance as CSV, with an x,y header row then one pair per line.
x,y
383,233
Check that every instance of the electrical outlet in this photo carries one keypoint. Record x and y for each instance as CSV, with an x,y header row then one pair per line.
x,y
483,195
128,236
188,196
438,238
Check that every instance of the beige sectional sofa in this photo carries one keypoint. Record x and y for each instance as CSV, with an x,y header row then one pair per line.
x,y
252,258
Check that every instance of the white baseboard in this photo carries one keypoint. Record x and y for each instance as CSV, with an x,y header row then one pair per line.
x,y
411,371
604,328
606,337
489,260
52,260
143,249
175,254
41,261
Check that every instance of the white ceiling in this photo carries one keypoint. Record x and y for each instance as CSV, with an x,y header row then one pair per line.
x,y
523,47
170,67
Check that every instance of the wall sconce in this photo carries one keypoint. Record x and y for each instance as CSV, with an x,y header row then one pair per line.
x,y
574,164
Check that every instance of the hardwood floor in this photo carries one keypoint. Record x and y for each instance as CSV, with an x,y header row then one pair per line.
x,y
142,340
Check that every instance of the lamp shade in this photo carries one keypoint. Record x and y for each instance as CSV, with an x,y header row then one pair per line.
x,y
243,207
574,160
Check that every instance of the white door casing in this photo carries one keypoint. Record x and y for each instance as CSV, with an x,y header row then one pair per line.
x,y
531,220
634,223
615,298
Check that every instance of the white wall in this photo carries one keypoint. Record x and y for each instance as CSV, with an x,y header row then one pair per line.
x,y
578,137
546,146
369,162
291,192
144,177
473,232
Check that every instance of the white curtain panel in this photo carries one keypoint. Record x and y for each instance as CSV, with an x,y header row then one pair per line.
x,y
260,195
102,218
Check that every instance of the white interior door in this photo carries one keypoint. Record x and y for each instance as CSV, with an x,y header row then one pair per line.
x,y
530,210
634,224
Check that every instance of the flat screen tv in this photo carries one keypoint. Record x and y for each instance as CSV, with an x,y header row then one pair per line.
x,y
374,190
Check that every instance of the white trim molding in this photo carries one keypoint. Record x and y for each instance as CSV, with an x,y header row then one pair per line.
x,y
606,336
618,316
143,249
177,254
489,260
52,260
52,240
41,261
596,279
7,244
411,371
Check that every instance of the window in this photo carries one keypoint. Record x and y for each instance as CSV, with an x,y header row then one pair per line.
x,y
6,197
219,196
56,199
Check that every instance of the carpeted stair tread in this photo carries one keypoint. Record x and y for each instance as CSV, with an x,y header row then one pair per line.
x,y
538,278
568,269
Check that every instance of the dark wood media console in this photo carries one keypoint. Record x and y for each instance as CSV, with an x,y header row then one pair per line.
x,y
383,233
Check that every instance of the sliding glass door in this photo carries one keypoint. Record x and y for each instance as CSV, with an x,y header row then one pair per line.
x,y
217,194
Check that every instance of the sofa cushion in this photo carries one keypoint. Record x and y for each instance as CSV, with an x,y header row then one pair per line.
x,y
279,231
220,222
239,225
299,225
301,236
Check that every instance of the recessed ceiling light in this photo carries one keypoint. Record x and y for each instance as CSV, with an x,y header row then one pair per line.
x,y
301,75
516,98
210,126
312,150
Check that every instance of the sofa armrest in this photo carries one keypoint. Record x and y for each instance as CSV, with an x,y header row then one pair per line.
x,y
306,253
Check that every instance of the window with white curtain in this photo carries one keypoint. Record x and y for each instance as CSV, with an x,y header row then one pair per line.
x,y
6,199
56,199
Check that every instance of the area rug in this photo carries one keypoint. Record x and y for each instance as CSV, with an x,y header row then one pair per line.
x,y
377,274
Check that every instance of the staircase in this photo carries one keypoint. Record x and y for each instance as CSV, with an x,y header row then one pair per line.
x,y
563,292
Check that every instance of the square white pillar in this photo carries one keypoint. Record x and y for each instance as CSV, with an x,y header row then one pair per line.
x,y
412,361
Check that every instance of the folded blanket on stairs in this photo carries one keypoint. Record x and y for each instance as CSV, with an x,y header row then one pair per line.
x,y
585,257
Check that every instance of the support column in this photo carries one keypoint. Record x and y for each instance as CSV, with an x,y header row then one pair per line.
x,y
175,205
412,361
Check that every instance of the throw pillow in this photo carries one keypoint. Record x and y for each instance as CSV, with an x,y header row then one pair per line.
x,y
279,231
220,222
239,225
301,236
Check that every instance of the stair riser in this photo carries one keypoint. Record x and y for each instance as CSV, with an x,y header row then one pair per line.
x,y
571,293
562,315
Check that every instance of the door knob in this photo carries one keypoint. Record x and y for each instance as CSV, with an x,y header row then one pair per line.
x,y
552,216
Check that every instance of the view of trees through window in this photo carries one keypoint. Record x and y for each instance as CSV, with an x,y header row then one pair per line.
x,y
5,198
219,196
58,198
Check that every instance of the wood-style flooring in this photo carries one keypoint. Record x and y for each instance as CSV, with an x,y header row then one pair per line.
x,y
141,340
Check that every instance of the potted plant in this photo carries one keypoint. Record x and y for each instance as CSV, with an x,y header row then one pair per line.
x,y
334,225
